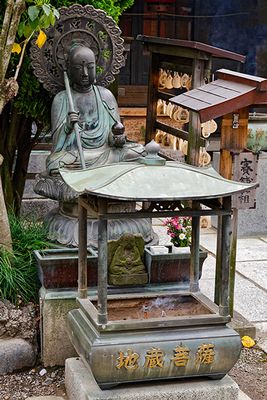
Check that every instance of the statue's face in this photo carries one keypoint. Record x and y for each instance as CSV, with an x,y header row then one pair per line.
x,y
82,68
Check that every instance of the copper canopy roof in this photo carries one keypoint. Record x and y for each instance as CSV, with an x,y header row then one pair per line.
x,y
230,92
145,182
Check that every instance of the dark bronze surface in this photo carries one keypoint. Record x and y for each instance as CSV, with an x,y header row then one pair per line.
x,y
79,25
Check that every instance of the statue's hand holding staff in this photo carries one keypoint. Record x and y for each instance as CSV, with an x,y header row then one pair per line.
x,y
72,118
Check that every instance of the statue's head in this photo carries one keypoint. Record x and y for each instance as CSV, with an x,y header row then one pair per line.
x,y
81,67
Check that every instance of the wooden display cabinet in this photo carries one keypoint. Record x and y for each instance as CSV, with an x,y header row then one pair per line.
x,y
186,57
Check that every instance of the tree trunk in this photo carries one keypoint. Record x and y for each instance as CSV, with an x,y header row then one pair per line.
x,y
10,124
16,145
5,235
8,87
24,148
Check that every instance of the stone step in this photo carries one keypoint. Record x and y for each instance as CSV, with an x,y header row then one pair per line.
x,y
49,398
243,396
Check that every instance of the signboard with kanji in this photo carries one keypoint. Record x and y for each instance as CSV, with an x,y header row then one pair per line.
x,y
245,170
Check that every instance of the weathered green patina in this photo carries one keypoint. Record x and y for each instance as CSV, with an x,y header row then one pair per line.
x,y
161,332
125,265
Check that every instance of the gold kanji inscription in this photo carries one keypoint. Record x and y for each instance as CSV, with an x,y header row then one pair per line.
x,y
181,356
128,360
205,354
154,358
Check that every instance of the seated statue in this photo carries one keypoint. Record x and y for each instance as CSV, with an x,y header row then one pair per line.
x,y
102,135
125,265
89,112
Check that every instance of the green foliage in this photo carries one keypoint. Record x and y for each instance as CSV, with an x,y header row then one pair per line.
x,y
18,277
18,281
38,16
114,8
32,99
27,235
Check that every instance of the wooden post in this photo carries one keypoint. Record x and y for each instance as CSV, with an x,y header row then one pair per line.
x,y
233,141
233,261
102,263
218,271
225,256
194,137
194,134
152,97
82,252
194,261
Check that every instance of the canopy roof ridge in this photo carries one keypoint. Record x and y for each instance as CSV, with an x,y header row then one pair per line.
x,y
252,80
230,92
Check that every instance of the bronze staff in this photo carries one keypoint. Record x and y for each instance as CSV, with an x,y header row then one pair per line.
x,y
75,126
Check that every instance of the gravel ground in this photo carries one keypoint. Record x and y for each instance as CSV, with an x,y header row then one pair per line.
x,y
35,382
250,373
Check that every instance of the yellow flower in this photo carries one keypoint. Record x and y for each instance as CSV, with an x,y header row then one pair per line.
x,y
16,48
40,41
247,341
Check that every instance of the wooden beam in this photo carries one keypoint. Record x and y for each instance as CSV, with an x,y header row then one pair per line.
x,y
180,133
164,214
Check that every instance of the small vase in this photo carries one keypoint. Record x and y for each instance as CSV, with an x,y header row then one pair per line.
x,y
181,250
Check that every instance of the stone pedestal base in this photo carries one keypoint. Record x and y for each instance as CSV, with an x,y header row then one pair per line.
x,y
62,222
55,343
81,385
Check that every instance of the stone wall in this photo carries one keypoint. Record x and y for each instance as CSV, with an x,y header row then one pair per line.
x,y
18,337
33,205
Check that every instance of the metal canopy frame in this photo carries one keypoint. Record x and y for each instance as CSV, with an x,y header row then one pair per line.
x,y
100,315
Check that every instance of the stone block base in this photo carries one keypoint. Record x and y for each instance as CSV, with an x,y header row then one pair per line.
x,y
130,279
242,326
55,342
81,385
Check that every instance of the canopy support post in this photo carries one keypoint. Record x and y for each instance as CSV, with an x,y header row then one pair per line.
x,y
225,257
82,252
102,263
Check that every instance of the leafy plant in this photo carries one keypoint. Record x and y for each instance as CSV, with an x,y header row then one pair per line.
x,y
18,274
27,235
37,17
18,281
113,8
180,230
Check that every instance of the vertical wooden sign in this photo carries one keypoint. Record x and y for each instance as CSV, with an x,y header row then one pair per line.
x,y
245,167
